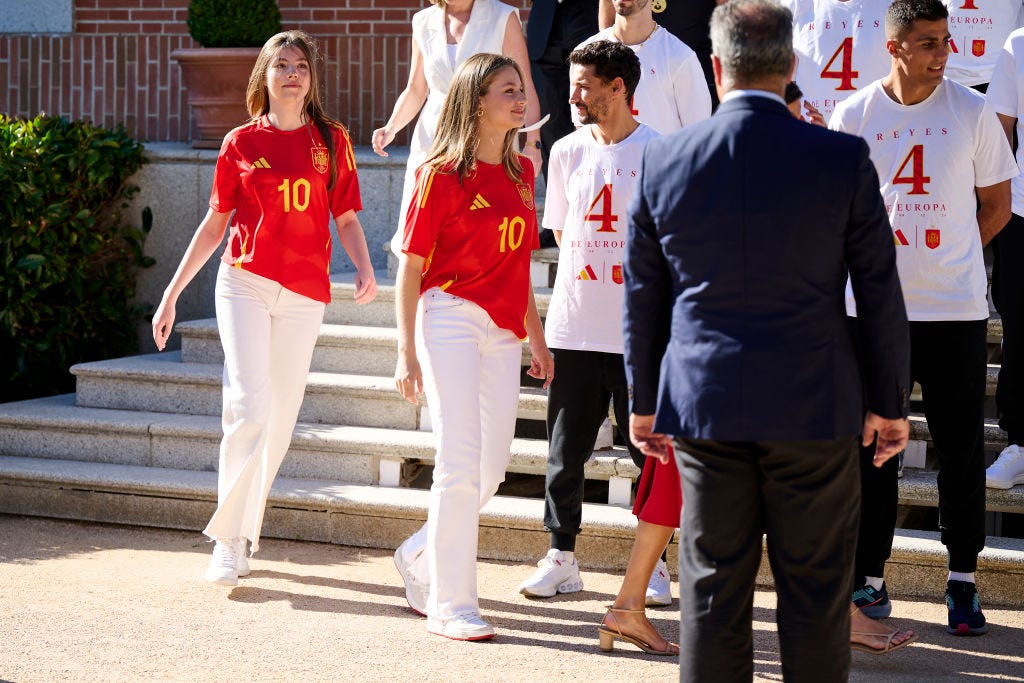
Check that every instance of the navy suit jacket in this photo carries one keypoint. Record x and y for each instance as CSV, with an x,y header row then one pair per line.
x,y
741,236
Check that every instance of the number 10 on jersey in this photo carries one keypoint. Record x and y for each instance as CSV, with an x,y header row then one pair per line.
x,y
512,232
294,194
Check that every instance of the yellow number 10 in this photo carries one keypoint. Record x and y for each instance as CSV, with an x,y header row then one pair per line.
x,y
510,238
295,194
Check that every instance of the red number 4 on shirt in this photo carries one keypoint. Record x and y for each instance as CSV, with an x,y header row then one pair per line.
x,y
917,178
606,217
847,74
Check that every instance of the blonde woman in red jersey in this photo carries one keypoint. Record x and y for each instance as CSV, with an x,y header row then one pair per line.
x,y
283,175
466,254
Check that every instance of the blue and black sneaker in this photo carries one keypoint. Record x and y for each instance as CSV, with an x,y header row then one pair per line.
x,y
873,603
965,617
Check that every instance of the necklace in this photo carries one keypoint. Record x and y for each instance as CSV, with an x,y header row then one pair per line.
x,y
312,140
643,42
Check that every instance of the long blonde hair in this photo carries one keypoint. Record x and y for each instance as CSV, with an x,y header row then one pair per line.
x,y
458,129
257,95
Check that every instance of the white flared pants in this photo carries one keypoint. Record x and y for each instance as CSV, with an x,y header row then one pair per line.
x,y
471,379
268,334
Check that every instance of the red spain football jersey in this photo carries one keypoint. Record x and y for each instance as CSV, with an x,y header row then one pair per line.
x,y
276,182
476,238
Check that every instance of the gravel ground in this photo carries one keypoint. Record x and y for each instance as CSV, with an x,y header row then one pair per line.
x,y
83,601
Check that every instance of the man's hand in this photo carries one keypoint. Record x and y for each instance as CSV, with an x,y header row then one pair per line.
x,y
890,436
654,445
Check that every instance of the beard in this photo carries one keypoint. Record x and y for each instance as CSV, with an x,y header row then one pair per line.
x,y
637,6
595,112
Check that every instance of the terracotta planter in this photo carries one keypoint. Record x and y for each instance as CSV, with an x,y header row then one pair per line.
x,y
216,78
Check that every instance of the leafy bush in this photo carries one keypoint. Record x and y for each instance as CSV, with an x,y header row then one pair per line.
x,y
67,262
233,23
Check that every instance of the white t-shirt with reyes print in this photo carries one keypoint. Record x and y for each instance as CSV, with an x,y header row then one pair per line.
x,y
590,186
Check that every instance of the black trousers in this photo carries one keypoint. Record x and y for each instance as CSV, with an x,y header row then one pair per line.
x,y
948,360
1008,296
803,495
577,405
574,21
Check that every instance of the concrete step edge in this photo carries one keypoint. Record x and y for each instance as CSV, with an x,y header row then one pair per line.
x,y
995,438
510,528
921,488
57,415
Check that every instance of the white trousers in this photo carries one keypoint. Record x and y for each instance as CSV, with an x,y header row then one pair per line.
x,y
471,379
268,334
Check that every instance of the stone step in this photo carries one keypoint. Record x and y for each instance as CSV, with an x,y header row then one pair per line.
x,y
920,488
346,349
56,428
343,310
511,529
160,382
356,349
995,438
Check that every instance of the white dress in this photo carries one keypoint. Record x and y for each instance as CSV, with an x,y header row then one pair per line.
x,y
485,32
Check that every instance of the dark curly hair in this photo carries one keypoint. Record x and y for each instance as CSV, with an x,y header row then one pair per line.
x,y
610,60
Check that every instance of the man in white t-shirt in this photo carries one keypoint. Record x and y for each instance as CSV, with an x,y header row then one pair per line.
x,y
840,48
977,31
945,170
673,91
591,174
1006,97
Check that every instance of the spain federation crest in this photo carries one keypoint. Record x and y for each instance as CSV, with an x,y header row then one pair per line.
x,y
978,48
319,158
617,274
526,194
931,238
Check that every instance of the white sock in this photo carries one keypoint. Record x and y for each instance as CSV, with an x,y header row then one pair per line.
x,y
875,582
568,555
962,576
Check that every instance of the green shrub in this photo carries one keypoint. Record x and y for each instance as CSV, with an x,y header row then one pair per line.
x,y
67,261
233,23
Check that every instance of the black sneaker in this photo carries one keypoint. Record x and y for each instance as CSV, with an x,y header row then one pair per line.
x,y
965,617
873,603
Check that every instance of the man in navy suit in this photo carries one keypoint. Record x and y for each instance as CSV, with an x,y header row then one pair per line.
x,y
742,233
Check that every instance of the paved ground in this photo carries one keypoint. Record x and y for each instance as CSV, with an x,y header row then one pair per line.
x,y
89,601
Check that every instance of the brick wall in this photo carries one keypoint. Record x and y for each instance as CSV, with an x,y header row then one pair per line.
x,y
116,68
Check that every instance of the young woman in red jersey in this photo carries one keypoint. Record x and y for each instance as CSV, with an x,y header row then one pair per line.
x,y
283,175
466,255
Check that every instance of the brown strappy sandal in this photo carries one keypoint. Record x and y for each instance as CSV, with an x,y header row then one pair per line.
x,y
887,637
607,637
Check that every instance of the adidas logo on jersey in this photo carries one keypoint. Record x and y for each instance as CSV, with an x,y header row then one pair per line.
x,y
479,203
261,163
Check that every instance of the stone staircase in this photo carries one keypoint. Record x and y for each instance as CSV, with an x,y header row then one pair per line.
x,y
138,443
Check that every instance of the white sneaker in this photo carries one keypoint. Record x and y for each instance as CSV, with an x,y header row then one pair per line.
x,y
415,591
555,574
223,567
659,592
1008,469
243,560
468,626
605,436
